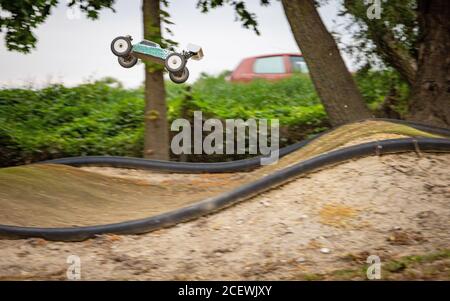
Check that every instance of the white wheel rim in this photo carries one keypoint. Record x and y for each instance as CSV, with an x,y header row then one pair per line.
x,y
120,46
174,62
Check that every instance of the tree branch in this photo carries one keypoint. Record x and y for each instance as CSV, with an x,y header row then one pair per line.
x,y
388,47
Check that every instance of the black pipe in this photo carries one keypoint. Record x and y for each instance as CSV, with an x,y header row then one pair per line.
x,y
234,196
173,166
418,125
216,167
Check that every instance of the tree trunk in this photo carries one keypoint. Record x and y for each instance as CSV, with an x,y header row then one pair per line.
x,y
334,83
430,100
156,135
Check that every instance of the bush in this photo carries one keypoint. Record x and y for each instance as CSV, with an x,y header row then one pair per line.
x,y
376,85
292,100
94,118
103,118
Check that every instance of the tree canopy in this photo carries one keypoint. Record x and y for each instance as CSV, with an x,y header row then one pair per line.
x,y
20,17
390,40
247,18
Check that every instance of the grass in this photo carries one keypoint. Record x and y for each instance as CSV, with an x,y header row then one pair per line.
x,y
432,266
336,215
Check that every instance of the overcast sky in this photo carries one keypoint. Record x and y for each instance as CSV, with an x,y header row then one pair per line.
x,y
74,50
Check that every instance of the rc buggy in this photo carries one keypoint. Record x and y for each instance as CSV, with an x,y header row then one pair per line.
x,y
128,55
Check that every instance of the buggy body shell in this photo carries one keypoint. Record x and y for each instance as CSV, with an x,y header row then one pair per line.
x,y
150,51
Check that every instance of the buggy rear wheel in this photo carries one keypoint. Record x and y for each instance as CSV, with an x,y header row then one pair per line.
x,y
175,62
127,62
179,77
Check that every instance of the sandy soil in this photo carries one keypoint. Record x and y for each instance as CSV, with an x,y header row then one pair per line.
x,y
329,220
64,196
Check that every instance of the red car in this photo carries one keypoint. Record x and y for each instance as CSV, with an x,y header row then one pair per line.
x,y
271,67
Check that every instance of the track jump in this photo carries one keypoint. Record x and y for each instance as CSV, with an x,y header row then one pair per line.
x,y
64,200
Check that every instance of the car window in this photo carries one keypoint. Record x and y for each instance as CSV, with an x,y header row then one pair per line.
x,y
298,64
273,64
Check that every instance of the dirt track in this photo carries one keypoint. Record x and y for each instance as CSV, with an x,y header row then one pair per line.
x,y
388,206
63,196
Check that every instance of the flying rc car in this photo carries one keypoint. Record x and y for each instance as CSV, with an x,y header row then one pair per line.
x,y
128,55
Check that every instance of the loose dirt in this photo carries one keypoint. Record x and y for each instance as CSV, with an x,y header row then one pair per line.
x,y
63,196
323,225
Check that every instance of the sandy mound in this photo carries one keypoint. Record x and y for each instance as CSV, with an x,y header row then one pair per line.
x,y
63,196
47,195
329,220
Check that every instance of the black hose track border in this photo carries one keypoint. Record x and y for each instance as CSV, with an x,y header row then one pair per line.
x,y
232,197
418,126
173,166
215,167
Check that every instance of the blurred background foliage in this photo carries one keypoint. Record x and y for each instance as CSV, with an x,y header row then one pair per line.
x,y
104,118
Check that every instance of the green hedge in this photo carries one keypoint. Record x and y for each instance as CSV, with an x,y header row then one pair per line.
x,y
292,100
104,118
